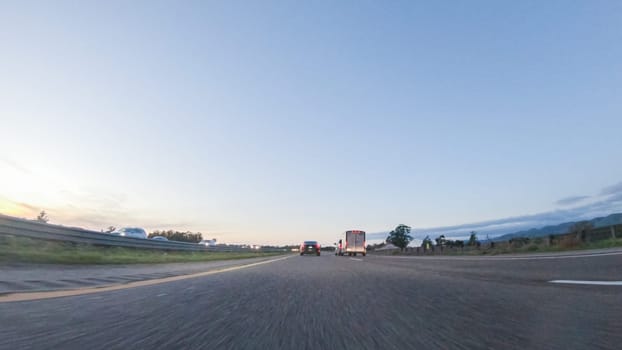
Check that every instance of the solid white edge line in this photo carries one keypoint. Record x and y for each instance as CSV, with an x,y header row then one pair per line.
x,y
595,283
496,257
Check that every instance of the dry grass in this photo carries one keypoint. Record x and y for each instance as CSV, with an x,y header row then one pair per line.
x,y
20,249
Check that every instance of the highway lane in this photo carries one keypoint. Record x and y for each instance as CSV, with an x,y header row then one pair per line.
x,y
333,302
43,277
526,268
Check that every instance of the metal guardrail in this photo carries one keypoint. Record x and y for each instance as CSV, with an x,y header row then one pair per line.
x,y
26,228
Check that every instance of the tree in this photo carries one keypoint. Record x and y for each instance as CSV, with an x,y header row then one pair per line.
x,y
551,239
440,240
427,243
455,244
178,236
400,237
43,217
473,239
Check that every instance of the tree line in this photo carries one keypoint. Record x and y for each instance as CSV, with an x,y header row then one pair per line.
x,y
171,235
401,237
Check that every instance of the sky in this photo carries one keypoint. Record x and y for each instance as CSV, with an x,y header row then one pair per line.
x,y
272,122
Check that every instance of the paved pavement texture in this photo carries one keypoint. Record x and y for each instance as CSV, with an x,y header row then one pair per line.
x,y
47,277
329,302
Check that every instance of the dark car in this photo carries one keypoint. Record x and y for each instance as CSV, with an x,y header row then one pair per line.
x,y
310,247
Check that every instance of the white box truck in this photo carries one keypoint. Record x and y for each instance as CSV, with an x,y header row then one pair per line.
x,y
353,243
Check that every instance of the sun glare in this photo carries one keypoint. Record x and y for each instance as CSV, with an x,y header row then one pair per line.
x,y
8,207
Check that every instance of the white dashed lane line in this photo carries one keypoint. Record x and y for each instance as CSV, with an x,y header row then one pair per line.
x,y
492,258
593,283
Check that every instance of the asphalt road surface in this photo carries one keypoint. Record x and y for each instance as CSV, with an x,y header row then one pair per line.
x,y
329,302
43,277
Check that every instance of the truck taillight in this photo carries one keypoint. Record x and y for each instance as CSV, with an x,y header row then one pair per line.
x,y
317,246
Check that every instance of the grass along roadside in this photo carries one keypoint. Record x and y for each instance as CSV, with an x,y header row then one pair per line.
x,y
26,250
538,246
535,245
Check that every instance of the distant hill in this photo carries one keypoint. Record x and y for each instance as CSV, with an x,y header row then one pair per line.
x,y
613,219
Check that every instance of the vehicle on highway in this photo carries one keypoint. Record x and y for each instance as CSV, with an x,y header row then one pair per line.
x,y
208,242
310,247
133,232
354,243
159,238
339,248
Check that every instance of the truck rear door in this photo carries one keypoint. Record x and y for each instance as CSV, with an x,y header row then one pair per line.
x,y
359,241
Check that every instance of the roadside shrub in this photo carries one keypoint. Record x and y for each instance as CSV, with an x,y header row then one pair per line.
x,y
518,242
569,242
532,248
607,243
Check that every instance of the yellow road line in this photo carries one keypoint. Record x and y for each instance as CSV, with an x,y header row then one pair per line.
x,y
27,296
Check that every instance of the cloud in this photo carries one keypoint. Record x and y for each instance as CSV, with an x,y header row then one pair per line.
x,y
613,189
571,200
19,209
94,220
28,207
608,202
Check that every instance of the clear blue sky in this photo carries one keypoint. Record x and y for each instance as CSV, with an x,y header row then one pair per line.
x,y
274,122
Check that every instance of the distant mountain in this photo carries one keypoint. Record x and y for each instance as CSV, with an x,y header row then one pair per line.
x,y
613,219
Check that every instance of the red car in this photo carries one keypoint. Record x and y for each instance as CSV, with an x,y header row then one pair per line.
x,y
310,247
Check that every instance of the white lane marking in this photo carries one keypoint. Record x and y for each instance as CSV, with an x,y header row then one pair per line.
x,y
355,259
161,294
595,283
26,296
488,258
